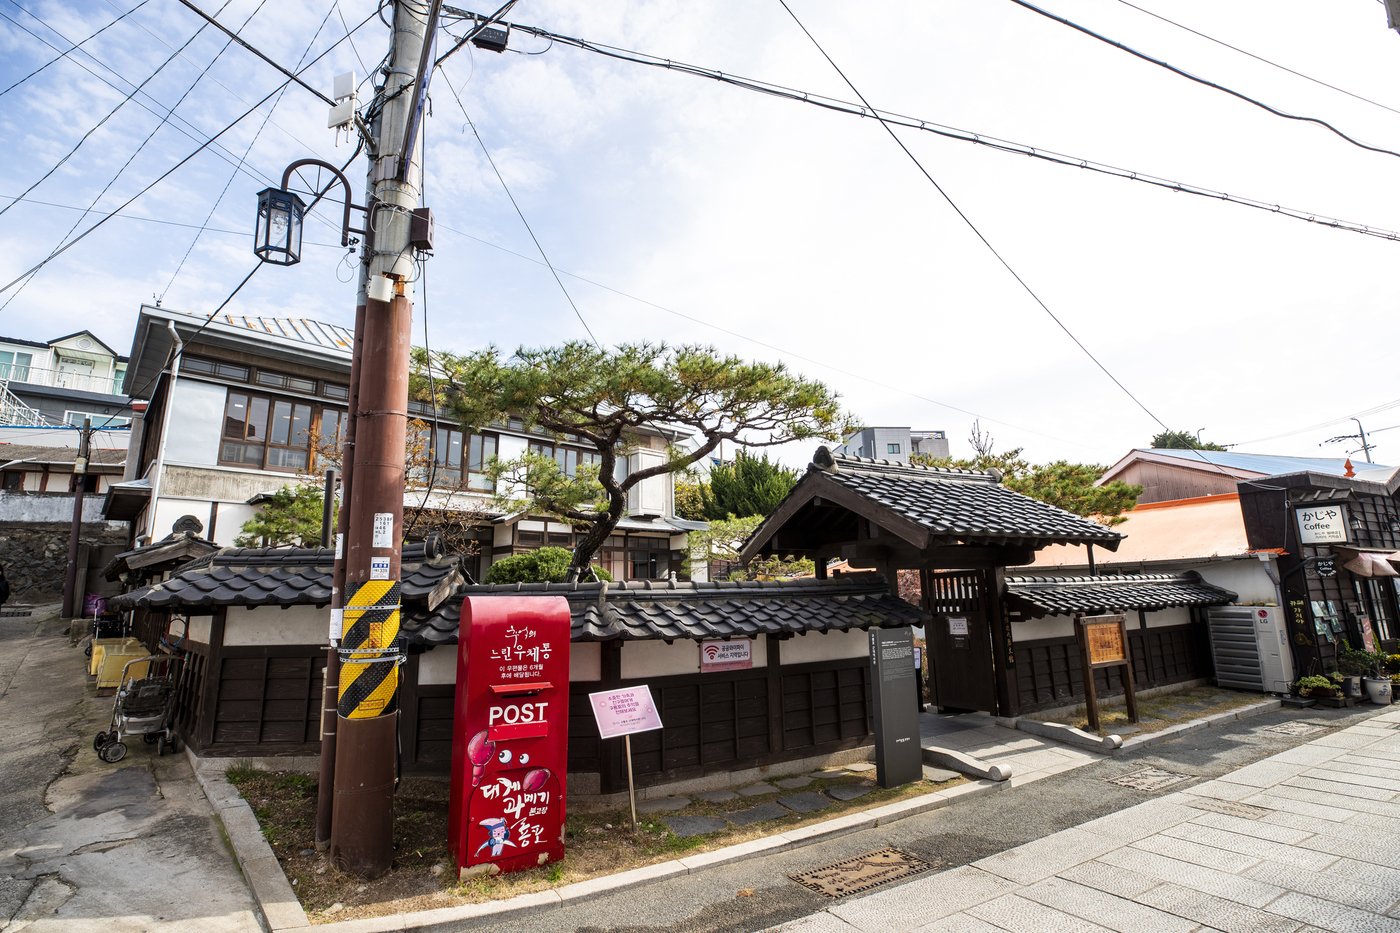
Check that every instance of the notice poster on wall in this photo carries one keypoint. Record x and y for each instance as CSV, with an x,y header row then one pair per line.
x,y
726,655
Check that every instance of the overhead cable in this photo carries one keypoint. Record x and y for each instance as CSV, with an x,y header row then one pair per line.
x,y
73,47
234,36
1203,81
950,132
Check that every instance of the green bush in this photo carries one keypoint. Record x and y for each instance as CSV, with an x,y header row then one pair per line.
x,y
1314,685
546,565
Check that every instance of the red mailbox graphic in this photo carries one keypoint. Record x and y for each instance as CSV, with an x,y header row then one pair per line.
x,y
510,738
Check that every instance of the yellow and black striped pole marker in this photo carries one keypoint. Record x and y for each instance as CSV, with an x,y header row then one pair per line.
x,y
369,672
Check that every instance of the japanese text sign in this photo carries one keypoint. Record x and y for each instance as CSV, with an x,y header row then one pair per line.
x,y
1105,638
510,739
625,711
1322,524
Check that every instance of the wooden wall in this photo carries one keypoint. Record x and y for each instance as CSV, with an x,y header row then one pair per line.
x,y
1049,673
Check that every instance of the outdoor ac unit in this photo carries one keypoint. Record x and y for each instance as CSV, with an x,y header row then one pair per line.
x,y
1250,648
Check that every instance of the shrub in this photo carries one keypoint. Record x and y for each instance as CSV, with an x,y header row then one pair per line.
x,y
545,565
1315,686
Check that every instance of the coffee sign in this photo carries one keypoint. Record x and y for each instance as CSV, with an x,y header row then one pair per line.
x,y
1322,524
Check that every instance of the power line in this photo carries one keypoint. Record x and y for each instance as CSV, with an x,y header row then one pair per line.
x,y
1260,58
521,214
1203,81
950,132
335,5
235,37
71,243
100,123
62,55
973,227
144,143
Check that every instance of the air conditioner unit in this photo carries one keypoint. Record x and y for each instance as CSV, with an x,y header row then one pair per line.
x,y
1250,647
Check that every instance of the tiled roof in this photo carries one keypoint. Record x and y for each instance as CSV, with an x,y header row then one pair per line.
x,y
1066,595
963,506
37,453
279,577
662,610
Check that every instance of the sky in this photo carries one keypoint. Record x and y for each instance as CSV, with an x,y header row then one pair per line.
x,y
683,209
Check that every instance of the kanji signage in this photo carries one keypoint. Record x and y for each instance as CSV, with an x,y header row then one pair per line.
x,y
510,733
1322,524
726,655
1105,641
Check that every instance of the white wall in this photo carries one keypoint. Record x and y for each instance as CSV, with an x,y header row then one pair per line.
x,y
439,665
1063,626
826,646
196,423
297,625
641,659
1249,578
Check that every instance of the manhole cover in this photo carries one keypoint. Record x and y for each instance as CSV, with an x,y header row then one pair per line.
x,y
1246,811
1149,779
862,873
1292,728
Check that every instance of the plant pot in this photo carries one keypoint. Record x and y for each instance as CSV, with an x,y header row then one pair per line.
x,y
1377,690
1336,702
1351,686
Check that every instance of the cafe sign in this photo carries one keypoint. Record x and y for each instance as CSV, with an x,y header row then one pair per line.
x,y
1322,524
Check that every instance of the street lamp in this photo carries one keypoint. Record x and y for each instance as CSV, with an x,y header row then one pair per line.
x,y
278,236
280,212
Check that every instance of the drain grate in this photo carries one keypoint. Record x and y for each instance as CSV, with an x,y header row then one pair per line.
x,y
1149,779
1292,728
1246,811
859,874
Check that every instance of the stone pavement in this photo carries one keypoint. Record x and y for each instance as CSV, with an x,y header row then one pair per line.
x,y
88,846
1305,840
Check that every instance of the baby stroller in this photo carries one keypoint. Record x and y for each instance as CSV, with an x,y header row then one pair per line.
x,y
144,706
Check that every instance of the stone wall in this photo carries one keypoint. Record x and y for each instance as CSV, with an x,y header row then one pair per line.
x,y
35,557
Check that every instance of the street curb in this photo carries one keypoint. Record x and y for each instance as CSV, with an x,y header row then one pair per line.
x,y
1069,735
281,912
1152,738
276,902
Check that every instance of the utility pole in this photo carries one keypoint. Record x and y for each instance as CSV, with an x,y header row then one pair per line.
x,y
70,576
362,821
1365,445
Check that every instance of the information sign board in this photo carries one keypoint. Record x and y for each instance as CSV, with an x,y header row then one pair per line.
x,y
624,711
726,655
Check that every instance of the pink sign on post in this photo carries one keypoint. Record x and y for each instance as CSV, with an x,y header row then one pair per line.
x,y
624,711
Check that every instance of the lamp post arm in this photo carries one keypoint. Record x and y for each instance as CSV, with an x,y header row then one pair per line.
x,y
345,229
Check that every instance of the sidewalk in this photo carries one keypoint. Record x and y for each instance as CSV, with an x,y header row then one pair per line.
x,y
1305,840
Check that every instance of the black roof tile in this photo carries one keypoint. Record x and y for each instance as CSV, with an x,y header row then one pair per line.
x,y
1065,595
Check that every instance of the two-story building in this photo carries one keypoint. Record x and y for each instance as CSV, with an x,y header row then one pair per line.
x,y
240,406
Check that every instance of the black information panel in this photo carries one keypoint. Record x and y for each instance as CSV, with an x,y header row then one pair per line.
x,y
898,758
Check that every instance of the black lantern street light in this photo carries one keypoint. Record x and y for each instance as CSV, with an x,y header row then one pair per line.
x,y
278,237
281,212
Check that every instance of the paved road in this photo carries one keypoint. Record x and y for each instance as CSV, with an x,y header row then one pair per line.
x,y
87,846
964,833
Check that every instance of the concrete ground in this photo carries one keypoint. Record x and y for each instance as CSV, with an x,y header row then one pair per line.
x,y
88,846
1305,840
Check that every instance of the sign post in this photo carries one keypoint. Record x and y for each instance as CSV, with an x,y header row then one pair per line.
x,y
1103,642
623,712
898,755
510,744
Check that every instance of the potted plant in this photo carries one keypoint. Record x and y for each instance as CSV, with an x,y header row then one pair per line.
x,y
1376,678
1351,665
1320,688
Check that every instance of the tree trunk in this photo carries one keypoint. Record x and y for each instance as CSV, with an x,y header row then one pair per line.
x,y
593,539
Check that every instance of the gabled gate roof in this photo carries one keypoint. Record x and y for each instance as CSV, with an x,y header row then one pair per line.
x,y
925,506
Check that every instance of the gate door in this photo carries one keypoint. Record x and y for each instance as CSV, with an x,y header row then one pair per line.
x,y
960,641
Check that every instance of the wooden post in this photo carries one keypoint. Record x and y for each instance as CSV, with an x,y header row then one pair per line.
x,y
631,788
1091,698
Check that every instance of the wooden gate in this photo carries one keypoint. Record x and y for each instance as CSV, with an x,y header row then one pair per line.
x,y
960,641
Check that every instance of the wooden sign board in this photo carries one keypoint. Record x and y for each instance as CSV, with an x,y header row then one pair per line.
x,y
1103,642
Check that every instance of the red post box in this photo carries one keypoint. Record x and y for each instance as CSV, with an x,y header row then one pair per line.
x,y
510,741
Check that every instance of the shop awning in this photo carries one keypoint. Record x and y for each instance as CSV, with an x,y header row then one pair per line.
x,y
1373,564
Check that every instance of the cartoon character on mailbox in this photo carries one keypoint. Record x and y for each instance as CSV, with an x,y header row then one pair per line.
x,y
510,733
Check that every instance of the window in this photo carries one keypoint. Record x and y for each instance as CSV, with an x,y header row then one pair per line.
x,y
648,558
891,448
12,481
481,450
15,365
75,418
270,434
568,459
283,381
197,364
447,455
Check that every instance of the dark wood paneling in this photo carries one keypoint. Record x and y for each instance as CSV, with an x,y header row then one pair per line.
x,y
1049,672
265,697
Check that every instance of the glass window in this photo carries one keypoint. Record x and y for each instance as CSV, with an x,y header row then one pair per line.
x,y
891,448
481,451
12,481
15,365
273,434
331,390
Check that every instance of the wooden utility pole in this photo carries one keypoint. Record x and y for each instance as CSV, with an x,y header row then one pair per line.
x,y
71,602
362,822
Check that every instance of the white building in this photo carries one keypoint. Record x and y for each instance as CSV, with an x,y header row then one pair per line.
x,y
250,404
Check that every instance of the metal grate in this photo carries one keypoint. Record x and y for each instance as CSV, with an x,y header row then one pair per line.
x,y
1150,779
860,874
1292,728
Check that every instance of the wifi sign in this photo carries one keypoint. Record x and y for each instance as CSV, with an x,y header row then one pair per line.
x,y
726,655
711,652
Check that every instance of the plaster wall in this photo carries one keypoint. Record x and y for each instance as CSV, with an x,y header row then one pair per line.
x,y
295,625
196,422
1249,578
642,659
50,507
827,646
1063,626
